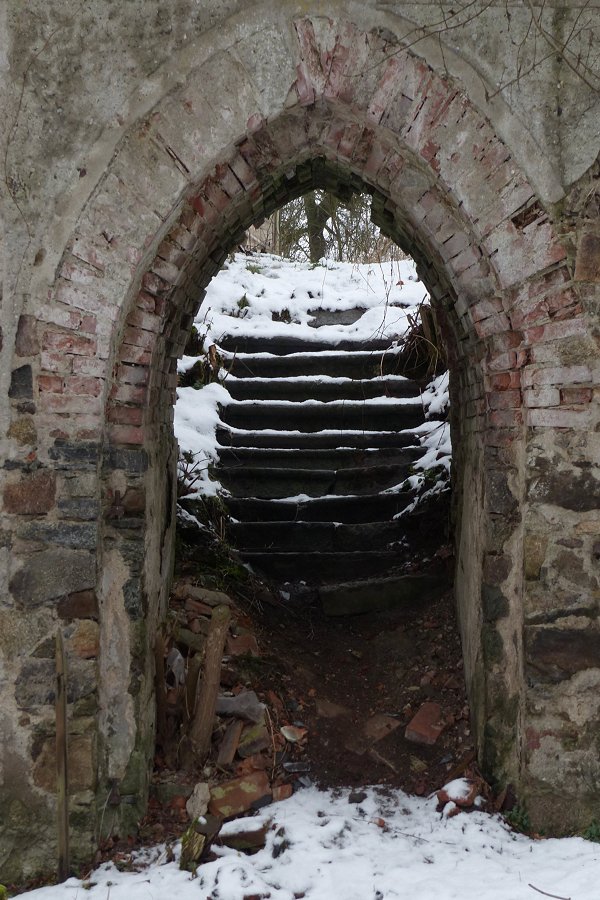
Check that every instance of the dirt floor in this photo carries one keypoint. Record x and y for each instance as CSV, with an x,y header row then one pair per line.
x,y
356,683
348,687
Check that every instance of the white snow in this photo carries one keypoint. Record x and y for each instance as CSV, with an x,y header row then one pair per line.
x,y
389,847
242,299
196,420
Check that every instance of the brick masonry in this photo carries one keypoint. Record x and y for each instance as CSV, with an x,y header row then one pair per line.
x,y
87,520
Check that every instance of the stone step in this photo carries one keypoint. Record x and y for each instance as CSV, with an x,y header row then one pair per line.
x,y
312,536
272,483
347,458
320,388
356,364
375,595
320,440
322,568
313,416
349,509
279,345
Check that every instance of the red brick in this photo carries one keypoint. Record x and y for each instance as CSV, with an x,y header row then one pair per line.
x,y
587,263
386,89
33,495
426,726
83,365
129,393
51,383
145,320
84,384
126,415
137,355
126,434
576,395
137,337
506,418
146,302
172,253
502,361
243,172
555,331
241,645
133,374
230,798
505,381
61,341
152,284
562,375
166,271
504,399
67,403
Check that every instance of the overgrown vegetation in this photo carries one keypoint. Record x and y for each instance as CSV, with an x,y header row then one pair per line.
x,y
319,225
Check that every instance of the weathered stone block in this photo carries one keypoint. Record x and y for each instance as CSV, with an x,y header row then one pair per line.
x,y
81,762
26,343
79,537
85,641
578,491
534,554
33,495
554,654
51,574
23,431
21,384
80,605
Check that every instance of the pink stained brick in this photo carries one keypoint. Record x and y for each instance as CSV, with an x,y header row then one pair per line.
x,y
426,725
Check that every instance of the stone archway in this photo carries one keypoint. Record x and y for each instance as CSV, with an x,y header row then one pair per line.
x,y
93,510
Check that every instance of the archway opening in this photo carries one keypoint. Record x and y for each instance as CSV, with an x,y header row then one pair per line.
x,y
176,281
317,391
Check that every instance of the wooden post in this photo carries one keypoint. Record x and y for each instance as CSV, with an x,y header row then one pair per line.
x,y
62,772
204,714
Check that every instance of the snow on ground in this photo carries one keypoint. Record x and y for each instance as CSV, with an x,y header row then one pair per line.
x,y
390,846
242,299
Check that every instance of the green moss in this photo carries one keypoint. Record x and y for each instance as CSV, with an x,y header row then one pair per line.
x,y
518,818
591,833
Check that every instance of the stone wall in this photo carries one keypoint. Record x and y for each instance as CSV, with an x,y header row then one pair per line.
x,y
141,143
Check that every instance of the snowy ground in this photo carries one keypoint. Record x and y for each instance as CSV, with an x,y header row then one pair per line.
x,y
319,846
242,300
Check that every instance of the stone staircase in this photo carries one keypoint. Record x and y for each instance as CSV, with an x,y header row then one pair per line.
x,y
311,444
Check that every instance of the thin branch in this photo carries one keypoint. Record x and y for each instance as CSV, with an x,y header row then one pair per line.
x,y
555,896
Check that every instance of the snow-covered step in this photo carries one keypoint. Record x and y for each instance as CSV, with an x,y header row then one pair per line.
x,y
279,345
385,414
334,508
311,536
327,439
359,364
321,387
244,481
322,568
294,458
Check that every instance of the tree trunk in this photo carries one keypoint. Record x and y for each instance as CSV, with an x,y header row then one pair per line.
x,y
316,219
